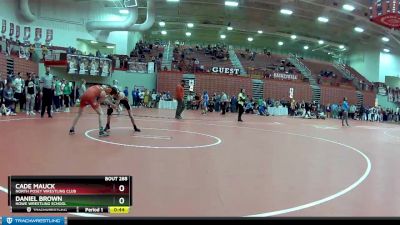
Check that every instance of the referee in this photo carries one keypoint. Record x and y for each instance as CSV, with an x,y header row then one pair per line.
x,y
46,92
241,102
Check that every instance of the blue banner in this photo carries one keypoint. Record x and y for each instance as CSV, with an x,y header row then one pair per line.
x,y
17,220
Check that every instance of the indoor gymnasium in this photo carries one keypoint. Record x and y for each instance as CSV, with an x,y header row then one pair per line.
x,y
208,108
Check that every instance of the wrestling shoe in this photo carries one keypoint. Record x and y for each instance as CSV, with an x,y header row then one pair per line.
x,y
107,129
136,129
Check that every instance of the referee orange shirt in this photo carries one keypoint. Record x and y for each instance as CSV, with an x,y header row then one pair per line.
x,y
179,92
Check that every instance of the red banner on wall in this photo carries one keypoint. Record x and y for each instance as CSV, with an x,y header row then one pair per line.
x,y
27,33
17,31
4,26
49,35
38,34
11,29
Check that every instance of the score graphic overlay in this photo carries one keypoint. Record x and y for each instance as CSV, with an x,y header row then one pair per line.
x,y
65,194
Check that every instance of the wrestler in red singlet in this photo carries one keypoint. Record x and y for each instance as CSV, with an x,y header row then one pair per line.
x,y
94,96
91,96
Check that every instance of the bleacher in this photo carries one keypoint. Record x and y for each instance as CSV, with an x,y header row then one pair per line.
x,y
264,64
317,66
358,75
193,53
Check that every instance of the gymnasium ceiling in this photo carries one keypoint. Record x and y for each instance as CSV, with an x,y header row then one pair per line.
x,y
211,18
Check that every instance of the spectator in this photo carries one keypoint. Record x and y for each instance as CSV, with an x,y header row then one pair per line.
x,y
2,86
249,107
133,93
224,100
352,111
44,52
328,110
30,93
18,91
189,100
67,92
9,100
205,102
146,98
58,94
137,97
345,111
153,99
126,91
234,104
31,51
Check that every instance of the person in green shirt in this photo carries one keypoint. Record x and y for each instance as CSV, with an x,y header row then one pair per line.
x,y
67,92
57,94
260,102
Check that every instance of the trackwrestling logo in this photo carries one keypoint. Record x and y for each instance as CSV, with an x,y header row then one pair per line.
x,y
33,220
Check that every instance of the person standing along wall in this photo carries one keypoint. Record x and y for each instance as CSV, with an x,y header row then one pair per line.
x,y
46,92
67,92
179,95
241,101
205,102
57,94
30,93
345,111
2,86
224,100
18,84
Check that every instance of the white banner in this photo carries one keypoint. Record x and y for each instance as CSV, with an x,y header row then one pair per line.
x,y
291,92
150,67
225,70
284,76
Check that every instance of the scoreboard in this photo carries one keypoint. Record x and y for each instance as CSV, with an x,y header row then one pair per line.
x,y
70,194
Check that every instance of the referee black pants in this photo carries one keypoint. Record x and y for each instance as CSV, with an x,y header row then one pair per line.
x,y
47,100
241,111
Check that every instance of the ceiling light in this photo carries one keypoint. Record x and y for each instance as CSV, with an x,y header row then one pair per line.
x,y
323,19
250,39
348,7
280,43
341,46
110,46
230,28
123,11
321,42
172,0
164,32
385,39
260,32
386,50
329,53
306,47
188,34
94,42
223,36
190,25
162,24
231,3
293,37
286,11
359,29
